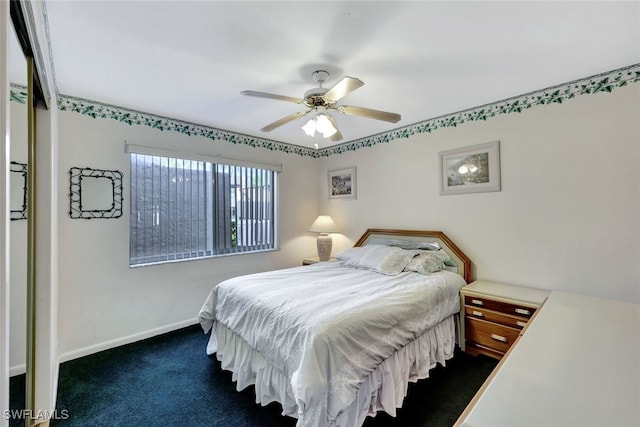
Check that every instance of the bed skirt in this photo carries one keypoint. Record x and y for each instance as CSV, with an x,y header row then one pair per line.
x,y
383,390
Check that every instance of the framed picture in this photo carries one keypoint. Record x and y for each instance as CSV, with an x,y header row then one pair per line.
x,y
342,184
474,169
95,193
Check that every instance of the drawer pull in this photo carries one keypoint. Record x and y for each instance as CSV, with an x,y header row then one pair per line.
x,y
523,311
477,302
499,338
477,313
521,324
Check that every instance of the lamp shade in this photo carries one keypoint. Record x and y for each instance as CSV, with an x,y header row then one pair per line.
x,y
323,224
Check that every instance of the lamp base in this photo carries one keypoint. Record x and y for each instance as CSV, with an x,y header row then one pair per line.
x,y
324,243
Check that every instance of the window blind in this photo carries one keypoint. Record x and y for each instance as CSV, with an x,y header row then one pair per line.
x,y
184,209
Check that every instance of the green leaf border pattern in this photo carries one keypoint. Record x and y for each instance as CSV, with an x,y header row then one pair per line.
x,y
132,117
17,93
604,82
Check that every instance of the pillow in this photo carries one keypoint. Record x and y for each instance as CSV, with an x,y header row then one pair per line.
x,y
406,244
387,260
427,262
424,264
442,256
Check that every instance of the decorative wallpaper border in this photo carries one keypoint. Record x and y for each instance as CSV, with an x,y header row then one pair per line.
x,y
604,82
132,117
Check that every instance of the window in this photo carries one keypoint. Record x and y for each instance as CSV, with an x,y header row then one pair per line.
x,y
185,209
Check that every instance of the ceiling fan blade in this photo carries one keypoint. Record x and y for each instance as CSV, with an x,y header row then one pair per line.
x,y
271,96
336,136
284,120
342,88
368,112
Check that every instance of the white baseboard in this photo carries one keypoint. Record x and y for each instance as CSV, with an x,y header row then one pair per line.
x,y
75,354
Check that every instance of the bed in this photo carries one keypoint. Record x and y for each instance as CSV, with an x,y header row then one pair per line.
x,y
337,341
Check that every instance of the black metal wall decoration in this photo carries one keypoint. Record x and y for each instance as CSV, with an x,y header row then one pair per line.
x,y
79,180
21,170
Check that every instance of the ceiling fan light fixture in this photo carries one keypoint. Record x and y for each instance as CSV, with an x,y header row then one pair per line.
x,y
320,124
310,127
324,125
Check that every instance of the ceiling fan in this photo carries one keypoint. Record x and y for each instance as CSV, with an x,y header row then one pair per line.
x,y
319,100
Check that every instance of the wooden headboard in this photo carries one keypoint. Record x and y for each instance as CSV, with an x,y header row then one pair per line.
x,y
416,236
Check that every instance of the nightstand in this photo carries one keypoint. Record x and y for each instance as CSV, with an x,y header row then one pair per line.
x,y
313,260
495,315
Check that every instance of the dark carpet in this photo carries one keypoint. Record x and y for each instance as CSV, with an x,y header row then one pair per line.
x,y
169,381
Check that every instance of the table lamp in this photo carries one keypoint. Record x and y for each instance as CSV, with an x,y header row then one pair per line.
x,y
323,225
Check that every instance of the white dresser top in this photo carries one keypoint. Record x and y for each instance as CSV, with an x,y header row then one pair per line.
x,y
507,293
577,364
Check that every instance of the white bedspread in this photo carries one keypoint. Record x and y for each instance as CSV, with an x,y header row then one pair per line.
x,y
326,327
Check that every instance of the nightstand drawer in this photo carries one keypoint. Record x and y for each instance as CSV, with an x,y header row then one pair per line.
x,y
503,307
518,322
490,334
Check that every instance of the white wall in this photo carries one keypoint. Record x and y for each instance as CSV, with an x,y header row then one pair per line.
x,y
103,302
568,215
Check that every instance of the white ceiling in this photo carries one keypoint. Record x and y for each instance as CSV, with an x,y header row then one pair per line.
x,y
189,60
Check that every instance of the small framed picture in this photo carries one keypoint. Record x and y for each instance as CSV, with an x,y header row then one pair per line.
x,y
474,169
95,193
342,184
